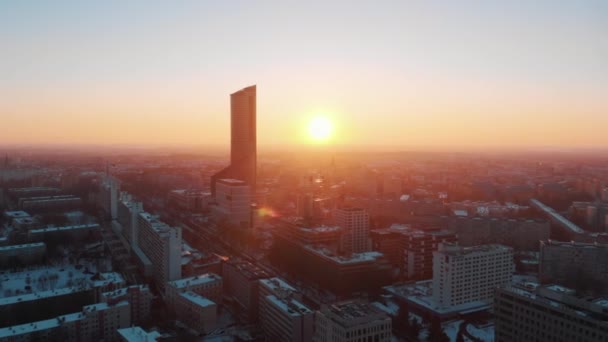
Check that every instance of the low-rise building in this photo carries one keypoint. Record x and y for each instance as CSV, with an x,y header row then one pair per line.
x,y
241,287
207,285
548,313
139,297
352,322
583,266
283,317
197,312
97,322
24,254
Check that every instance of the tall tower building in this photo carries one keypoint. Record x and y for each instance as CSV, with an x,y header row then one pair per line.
x,y
243,139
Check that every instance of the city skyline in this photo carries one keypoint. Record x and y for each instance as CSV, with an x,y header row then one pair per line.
x,y
418,75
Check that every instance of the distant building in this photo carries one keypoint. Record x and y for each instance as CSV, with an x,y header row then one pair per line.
x,y
409,249
162,245
583,266
50,202
523,235
189,199
73,232
128,210
352,322
241,287
547,314
233,198
283,317
312,251
464,275
355,225
243,140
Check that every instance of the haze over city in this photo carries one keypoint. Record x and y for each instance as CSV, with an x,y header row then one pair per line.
x,y
395,75
320,171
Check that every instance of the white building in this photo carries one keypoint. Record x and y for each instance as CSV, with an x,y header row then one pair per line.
x,y
233,198
352,322
355,222
282,315
207,285
162,245
464,275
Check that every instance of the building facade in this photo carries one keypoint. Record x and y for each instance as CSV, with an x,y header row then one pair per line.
x,y
548,314
282,315
464,275
355,225
583,266
207,285
162,245
352,322
243,140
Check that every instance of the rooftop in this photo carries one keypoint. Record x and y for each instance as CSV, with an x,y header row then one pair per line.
x,y
197,299
64,228
195,280
352,259
455,249
137,334
289,305
23,246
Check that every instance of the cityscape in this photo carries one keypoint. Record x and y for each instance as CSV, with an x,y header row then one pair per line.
x,y
269,225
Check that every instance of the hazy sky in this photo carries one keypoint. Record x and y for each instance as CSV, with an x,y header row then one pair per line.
x,y
450,73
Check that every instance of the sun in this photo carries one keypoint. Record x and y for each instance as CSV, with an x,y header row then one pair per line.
x,y
320,129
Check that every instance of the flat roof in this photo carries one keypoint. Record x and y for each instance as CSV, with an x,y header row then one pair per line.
x,y
197,299
289,305
137,334
195,280
23,246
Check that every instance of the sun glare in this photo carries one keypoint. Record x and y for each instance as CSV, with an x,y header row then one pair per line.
x,y
320,129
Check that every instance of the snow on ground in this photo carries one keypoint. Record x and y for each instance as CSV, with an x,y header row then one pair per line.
x,y
485,333
451,329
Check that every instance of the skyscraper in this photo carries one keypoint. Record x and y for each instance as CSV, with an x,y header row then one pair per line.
x,y
243,140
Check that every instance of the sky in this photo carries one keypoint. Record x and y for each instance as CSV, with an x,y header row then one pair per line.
x,y
396,74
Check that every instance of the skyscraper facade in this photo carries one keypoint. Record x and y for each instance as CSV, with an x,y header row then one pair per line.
x,y
243,139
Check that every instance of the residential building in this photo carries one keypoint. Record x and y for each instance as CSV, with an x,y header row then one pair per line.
x,y
583,266
162,245
550,313
352,322
197,312
139,297
283,317
207,285
241,281
355,224
463,275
